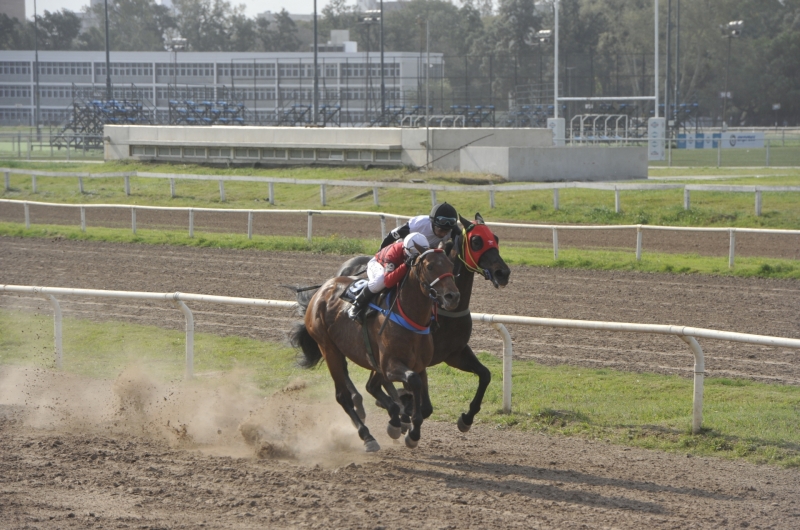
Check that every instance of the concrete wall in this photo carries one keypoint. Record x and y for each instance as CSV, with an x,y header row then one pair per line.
x,y
547,164
445,142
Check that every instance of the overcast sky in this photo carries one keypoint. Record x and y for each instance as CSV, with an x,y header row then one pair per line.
x,y
252,7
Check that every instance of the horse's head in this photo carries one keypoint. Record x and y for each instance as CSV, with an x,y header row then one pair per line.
x,y
435,272
480,251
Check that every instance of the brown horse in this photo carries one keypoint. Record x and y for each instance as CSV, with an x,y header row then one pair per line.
x,y
477,251
394,352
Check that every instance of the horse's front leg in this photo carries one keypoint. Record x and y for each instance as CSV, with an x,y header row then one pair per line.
x,y
413,382
374,387
467,361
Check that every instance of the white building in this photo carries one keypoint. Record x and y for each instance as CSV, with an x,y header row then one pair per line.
x,y
267,83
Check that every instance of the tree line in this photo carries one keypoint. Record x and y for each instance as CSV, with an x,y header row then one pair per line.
x,y
491,48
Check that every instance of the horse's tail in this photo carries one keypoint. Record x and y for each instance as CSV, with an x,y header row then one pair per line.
x,y
303,295
300,338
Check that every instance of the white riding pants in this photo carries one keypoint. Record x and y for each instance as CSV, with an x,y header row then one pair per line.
x,y
375,273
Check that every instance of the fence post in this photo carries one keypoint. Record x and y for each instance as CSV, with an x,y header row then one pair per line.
x,y
191,223
616,199
555,244
375,196
133,219
732,248
83,219
80,185
33,183
507,358
272,193
555,199
686,200
221,191
310,226
758,203
29,147
127,186
767,152
638,242
189,371
27,215
719,151
699,374
8,181
383,227
172,188
250,225
433,198
491,198
19,145
322,194
57,332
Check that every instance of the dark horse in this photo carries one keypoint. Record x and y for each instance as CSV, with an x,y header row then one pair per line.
x,y
394,353
477,251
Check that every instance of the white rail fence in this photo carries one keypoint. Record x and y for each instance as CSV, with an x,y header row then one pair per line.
x,y
491,189
688,334
398,221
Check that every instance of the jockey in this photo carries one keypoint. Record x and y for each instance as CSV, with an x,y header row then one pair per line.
x,y
387,269
438,227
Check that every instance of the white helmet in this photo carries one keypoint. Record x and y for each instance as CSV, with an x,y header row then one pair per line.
x,y
413,242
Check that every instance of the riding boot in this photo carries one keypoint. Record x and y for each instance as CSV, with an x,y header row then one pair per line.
x,y
360,305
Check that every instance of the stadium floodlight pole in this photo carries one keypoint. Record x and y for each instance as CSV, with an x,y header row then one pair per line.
x,y
316,73
37,98
655,62
383,83
555,62
109,93
427,94
676,92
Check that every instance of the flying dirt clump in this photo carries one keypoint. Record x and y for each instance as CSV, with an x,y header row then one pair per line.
x,y
254,435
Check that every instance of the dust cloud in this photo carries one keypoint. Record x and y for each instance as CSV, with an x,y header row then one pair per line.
x,y
220,415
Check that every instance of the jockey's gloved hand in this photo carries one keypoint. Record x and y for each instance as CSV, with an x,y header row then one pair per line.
x,y
410,260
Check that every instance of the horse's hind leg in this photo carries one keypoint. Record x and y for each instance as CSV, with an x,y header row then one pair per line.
x,y
466,361
337,366
358,401
374,385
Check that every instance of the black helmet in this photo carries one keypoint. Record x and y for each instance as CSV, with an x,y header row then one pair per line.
x,y
444,216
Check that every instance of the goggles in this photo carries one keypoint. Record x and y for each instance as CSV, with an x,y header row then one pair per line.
x,y
445,222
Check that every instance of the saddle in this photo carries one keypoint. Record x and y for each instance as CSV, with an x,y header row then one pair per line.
x,y
352,291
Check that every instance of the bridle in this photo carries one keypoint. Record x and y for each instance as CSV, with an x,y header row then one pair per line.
x,y
469,258
429,287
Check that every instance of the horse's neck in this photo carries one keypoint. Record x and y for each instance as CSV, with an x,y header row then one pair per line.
x,y
464,283
416,305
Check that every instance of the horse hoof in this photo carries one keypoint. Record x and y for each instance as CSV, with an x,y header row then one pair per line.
x,y
404,427
372,446
462,425
411,444
393,432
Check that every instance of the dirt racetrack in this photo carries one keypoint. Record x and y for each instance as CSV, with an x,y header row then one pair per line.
x,y
79,453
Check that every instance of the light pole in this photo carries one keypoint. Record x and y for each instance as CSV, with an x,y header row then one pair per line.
x,y
370,17
109,93
732,30
37,110
539,39
174,44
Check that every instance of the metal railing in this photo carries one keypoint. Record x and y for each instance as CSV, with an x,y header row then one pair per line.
x,y
491,189
398,222
687,334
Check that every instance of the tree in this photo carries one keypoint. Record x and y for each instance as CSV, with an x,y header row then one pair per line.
x,y
133,25
285,37
13,35
58,30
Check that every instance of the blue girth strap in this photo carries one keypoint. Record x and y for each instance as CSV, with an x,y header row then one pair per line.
x,y
397,319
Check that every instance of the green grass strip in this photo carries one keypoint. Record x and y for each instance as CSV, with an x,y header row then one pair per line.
x,y
742,419
576,206
513,253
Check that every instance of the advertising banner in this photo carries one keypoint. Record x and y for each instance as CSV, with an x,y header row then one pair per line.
x,y
656,145
730,140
